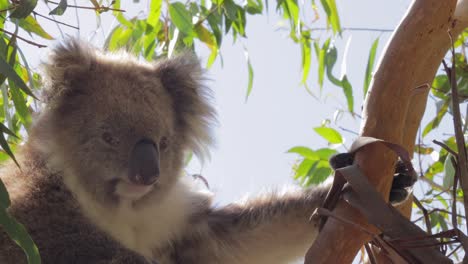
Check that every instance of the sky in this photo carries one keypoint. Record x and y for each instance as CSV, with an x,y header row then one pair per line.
x,y
253,136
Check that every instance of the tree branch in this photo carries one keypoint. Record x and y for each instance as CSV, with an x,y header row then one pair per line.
x,y
392,112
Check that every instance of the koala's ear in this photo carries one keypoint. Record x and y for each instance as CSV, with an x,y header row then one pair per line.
x,y
182,77
68,63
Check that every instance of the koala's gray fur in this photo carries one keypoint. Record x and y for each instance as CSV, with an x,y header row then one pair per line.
x,y
74,194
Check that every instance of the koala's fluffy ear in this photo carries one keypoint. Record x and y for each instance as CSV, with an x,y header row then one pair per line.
x,y
182,77
68,63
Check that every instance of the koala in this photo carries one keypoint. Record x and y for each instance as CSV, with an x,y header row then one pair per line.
x,y
101,174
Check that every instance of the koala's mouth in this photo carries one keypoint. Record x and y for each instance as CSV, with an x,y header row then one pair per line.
x,y
132,191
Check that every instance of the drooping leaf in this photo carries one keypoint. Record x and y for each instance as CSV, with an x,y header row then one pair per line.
x,y
348,92
181,18
31,25
251,74
254,7
205,36
23,9
330,134
434,123
60,9
306,55
331,57
18,233
321,61
20,104
370,65
332,15
154,13
4,197
120,17
4,143
11,74
449,172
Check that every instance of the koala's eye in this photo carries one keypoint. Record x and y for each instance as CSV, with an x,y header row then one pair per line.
x,y
109,139
163,143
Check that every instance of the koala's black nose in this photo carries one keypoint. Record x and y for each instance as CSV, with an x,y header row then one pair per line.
x,y
144,163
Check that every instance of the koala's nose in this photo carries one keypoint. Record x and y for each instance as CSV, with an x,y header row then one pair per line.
x,y
144,163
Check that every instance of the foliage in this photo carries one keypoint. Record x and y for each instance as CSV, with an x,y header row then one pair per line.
x,y
174,26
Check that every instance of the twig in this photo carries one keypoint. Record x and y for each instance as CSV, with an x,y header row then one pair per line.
x,y
8,8
23,39
427,220
447,148
433,184
453,251
454,192
437,210
98,9
348,130
54,20
325,212
355,29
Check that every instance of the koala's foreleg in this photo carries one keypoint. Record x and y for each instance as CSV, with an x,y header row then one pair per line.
x,y
269,229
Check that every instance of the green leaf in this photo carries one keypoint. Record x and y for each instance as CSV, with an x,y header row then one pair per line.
x,y
305,152
215,22
254,7
119,16
370,65
21,107
60,9
325,153
4,197
321,61
18,233
434,123
230,9
154,13
24,9
181,18
348,92
332,15
449,172
306,56
11,74
318,173
303,168
31,25
251,74
441,86
330,134
4,143
330,61
205,36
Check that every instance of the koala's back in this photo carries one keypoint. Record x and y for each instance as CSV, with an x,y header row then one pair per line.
x,y
42,203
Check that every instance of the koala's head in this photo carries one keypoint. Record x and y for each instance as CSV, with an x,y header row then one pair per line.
x,y
118,127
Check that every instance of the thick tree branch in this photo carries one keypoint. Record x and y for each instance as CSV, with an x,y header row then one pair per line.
x,y
392,112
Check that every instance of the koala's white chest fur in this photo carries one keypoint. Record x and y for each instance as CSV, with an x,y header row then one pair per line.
x,y
142,229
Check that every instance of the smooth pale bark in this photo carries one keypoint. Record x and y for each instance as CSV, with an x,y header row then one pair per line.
x,y
392,111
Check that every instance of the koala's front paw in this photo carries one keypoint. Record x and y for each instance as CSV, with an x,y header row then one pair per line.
x,y
402,180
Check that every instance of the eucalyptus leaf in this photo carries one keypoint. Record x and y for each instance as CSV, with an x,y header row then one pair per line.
x,y
181,18
330,134
60,9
